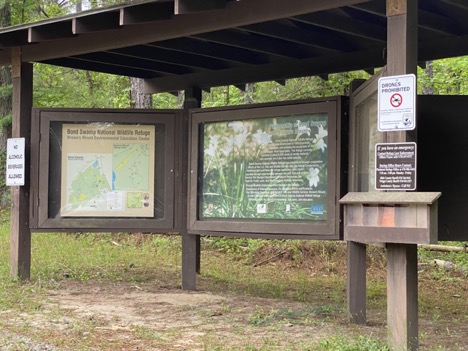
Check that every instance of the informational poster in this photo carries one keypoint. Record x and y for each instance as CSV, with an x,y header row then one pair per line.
x,y
107,170
395,166
273,168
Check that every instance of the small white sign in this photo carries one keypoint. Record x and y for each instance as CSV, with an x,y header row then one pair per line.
x,y
397,103
15,161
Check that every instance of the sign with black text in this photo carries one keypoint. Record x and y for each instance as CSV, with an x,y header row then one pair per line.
x,y
397,103
15,161
395,166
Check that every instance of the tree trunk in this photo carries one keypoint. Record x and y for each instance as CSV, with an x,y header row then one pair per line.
x,y
249,93
79,6
429,89
138,99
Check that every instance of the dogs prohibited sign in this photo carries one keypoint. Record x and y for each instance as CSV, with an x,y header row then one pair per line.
x,y
397,103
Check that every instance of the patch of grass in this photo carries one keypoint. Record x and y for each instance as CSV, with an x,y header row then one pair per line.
x,y
334,343
359,343
290,316
100,256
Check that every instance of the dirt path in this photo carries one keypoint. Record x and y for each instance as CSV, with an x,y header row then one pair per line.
x,y
95,316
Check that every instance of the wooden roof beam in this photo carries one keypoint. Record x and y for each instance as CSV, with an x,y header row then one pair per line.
x,y
14,38
266,45
335,21
186,59
5,56
436,23
50,31
283,69
98,22
377,8
88,65
459,3
290,32
183,7
213,50
156,11
240,13
135,62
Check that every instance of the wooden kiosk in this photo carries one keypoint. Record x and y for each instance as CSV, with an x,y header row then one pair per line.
x,y
193,45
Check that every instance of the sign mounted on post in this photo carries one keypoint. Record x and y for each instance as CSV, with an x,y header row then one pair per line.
x,y
395,166
397,103
15,162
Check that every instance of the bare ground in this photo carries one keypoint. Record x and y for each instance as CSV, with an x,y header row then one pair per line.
x,y
155,314
104,316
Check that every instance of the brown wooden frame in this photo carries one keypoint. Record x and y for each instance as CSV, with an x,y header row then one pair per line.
x,y
278,229
41,219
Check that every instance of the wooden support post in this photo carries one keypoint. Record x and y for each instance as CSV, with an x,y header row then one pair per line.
x,y
402,295
20,234
190,243
356,275
402,276
356,289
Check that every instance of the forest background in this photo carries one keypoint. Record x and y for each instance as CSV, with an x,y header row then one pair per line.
x,y
64,87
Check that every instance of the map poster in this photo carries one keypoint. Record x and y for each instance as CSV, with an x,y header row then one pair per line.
x,y
273,168
107,170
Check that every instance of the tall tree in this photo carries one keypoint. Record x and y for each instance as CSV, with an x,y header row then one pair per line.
x,y
138,99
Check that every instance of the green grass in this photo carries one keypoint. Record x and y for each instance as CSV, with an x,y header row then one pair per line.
x,y
100,256
307,272
82,257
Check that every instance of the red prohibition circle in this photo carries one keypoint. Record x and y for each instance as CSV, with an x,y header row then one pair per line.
x,y
396,100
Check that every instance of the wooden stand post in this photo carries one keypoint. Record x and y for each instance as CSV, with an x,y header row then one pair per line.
x,y
402,274
190,243
20,234
402,296
356,289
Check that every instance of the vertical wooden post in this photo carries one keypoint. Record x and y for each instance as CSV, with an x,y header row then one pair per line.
x,y
356,274
190,243
20,234
356,281
402,275
402,296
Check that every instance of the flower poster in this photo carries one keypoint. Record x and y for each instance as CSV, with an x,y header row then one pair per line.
x,y
266,168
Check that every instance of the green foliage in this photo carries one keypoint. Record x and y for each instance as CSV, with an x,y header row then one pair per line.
x,y
288,315
459,259
64,87
26,11
244,246
5,122
4,190
293,89
5,91
165,101
444,77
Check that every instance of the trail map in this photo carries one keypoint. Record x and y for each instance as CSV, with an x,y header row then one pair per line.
x,y
107,170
